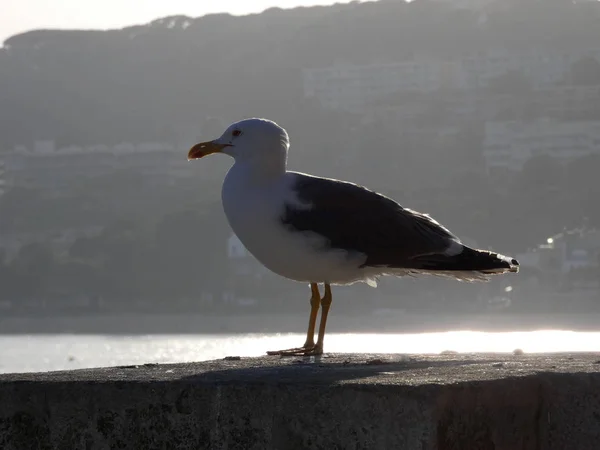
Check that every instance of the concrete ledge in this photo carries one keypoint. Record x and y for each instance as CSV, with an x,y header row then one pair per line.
x,y
462,402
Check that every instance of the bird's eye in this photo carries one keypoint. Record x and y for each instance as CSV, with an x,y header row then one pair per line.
x,y
236,133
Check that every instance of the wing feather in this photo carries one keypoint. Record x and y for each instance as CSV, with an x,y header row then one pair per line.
x,y
354,218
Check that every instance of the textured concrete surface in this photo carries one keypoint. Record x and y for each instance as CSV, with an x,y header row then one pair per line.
x,y
462,402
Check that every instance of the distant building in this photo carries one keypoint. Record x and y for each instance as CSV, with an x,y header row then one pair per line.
x,y
246,281
235,248
570,259
542,67
57,170
348,87
59,240
2,176
508,145
564,101
242,263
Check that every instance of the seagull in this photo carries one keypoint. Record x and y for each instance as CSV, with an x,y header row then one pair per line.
x,y
326,231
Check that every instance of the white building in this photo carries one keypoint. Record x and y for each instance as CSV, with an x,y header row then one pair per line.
x,y
242,263
235,248
350,87
2,177
59,240
543,68
567,101
508,145
57,170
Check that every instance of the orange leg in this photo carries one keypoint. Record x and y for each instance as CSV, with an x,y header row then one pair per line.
x,y
325,304
309,344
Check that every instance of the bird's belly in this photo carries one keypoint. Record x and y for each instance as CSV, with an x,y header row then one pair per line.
x,y
294,255
303,258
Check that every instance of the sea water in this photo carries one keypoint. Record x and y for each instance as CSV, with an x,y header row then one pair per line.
x,y
47,352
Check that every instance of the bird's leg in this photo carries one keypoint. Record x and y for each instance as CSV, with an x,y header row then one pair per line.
x,y
315,303
325,304
309,344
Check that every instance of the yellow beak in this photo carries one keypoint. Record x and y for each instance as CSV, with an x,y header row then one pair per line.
x,y
205,148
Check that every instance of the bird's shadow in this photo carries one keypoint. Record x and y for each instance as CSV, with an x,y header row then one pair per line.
x,y
323,370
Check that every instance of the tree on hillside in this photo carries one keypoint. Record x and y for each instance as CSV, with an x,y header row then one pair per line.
x,y
585,71
512,82
143,82
540,172
191,250
32,269
584,187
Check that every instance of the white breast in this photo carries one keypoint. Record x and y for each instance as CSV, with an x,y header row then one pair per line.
x,y
254,212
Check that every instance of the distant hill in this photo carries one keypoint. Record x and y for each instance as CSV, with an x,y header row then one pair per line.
x,y
158,81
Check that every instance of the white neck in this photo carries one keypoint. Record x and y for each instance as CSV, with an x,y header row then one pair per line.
x,y
259,170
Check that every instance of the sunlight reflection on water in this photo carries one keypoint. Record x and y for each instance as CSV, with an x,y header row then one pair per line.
x,y
32,353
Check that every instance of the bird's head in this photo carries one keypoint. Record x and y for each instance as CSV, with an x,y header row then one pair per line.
x,y
257,141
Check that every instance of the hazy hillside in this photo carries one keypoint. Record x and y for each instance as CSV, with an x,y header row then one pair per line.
x,y
93,218
157,81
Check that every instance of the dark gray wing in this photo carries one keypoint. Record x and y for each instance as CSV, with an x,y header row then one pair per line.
x,y
351,217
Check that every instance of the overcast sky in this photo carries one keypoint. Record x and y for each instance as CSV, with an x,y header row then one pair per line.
x,y
22,15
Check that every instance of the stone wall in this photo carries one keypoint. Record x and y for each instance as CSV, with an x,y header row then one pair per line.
x,y
462,402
